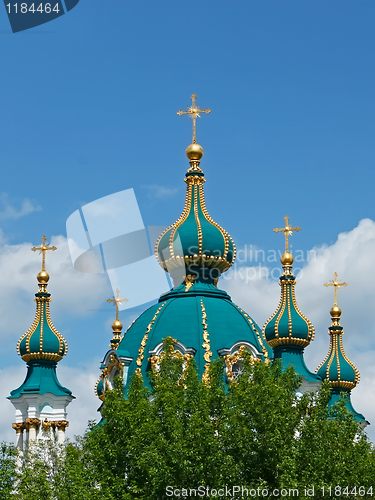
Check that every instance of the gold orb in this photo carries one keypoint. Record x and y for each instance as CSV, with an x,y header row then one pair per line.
x,y
117,325
194,152
43,277
287,259
335,312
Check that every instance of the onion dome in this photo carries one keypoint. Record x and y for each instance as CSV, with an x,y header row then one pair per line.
x,y
288,326
336,367
195,244
42,341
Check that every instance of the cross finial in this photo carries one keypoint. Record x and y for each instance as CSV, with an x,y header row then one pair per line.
x,y
194,112
43,248
117,301
336,284
288,231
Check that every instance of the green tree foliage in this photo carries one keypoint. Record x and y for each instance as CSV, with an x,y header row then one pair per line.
x,y
7,470
181,432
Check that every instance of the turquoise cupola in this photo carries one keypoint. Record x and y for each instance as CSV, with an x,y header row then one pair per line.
x,y
42,341
341,373
288,331
202,320
195,242
41,400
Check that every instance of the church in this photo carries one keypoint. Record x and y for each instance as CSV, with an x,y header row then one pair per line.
x,y
200,317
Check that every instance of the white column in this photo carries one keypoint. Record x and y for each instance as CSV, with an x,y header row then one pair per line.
x,y
19,427
32,425
61,426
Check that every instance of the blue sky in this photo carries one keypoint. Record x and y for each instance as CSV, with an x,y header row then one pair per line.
x,y
88,108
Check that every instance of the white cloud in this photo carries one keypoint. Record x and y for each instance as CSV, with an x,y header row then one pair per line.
x,y
352,256
158,192
81,381
19,268
9,211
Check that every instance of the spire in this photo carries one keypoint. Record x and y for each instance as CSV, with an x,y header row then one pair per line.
x,y
195,247
116,325
287,258
193,112
336,367
41,400
42,341
288,326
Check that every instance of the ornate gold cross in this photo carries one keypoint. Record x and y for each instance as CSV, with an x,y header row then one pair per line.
x,y
337,285
193,112
117,301
43,248
288,231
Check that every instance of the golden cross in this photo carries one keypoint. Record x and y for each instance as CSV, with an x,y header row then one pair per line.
x,y
288,231
193,112
337,285
117,301
43,248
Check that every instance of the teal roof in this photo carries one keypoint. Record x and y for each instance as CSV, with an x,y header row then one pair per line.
x,y
185,316
288,326
42,341
335,396
40,378
291,355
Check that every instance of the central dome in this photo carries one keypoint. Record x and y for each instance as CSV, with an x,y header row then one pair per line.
x,y
201,319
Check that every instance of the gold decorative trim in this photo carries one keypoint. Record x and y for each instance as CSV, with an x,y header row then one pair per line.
x,y
197,221
288,341
141,350
279,316
180,220
100,396
206,345
311,329
224,234
43,356
189,281
60,424
157,359
19,427
32,423
62,342
231,359
177,262
259,337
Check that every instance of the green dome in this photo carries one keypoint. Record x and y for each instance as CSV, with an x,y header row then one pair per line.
x,y
288,326
336,367
195,241
42,341
187,316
